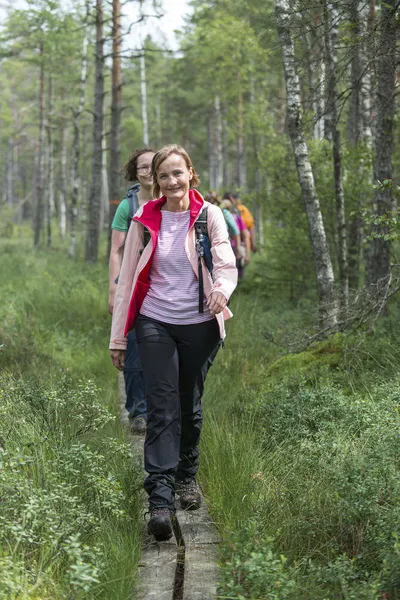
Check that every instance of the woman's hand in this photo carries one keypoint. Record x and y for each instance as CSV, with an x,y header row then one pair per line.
x,y
118,358
216,303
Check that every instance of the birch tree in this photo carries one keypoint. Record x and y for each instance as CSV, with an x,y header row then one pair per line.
x,y
76,179
322,259
331,45
38,216
94,205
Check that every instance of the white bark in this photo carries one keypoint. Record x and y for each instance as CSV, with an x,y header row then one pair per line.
x,y
9,173
76,150
322,260
50,206
38,216
211,151
62,203
317,81
331,45
241,151
104,189
219,155
143,88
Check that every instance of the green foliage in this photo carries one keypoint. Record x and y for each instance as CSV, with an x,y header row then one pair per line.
x,y
69,491
306,446
252,568
328,354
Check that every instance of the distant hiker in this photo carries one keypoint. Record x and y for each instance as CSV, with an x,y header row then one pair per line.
x,y
137,169
233,229
247,218
242,251
178,311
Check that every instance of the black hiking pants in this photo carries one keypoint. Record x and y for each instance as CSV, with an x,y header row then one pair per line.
x,y
175,361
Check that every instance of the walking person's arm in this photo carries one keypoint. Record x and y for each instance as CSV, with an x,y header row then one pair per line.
x,y
114,266
130,260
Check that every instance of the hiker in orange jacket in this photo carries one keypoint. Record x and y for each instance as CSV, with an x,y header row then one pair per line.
x,y
247,218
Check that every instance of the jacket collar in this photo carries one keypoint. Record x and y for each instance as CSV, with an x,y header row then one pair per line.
x,y
151,213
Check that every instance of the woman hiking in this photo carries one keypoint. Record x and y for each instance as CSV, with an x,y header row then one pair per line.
x,y
177,327
138,170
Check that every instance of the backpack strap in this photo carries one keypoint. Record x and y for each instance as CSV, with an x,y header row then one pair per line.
x,y
133,200
203,246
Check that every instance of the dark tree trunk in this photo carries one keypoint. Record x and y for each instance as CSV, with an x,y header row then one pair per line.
x,y
38,217
331,39
50,168
116,107
379,265
94,205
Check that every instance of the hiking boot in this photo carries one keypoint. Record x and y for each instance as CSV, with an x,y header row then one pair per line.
x,y
138,425
189,494
160,524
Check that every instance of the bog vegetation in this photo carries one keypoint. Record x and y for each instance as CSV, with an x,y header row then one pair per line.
x,y
295,107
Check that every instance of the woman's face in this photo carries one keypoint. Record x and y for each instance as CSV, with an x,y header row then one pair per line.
x,y
174,178
143,168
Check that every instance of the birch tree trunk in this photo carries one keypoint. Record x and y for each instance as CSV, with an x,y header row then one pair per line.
x,y
10,173
94,205
116,107
241,153
62,196
219,155
104,210
50,167
38,217
77,150
143,88
331,44
158,122
211,150
323,264
317,80
385,103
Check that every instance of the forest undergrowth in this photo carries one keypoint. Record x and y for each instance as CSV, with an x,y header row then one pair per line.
x,y
300,452
300,455
70,506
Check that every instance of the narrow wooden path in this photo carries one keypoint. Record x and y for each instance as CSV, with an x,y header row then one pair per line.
x,y
185,567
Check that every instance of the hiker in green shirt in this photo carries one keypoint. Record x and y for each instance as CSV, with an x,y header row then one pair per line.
x,y
138,170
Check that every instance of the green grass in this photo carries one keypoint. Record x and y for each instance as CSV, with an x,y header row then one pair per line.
x,y
300,458
70,494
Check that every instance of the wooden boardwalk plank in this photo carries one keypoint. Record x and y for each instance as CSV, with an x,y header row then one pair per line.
x,y
164,564
201,572
156,572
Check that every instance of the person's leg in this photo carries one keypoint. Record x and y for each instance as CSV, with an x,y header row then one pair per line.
x,y
196,346
160,363
134,382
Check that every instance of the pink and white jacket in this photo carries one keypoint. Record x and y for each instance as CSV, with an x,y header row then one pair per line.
x,y
134,283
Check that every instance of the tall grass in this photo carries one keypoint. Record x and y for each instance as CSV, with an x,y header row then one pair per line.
x,y
70,500
300,459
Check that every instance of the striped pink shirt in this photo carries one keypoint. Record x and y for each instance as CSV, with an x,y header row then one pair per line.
x,y
173,296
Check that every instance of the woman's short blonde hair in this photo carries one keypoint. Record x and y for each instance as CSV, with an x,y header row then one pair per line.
x,y
159,158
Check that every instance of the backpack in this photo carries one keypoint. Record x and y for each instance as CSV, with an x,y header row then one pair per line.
x,y
133,201
203,247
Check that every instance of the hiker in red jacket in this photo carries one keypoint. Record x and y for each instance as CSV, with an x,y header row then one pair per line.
x,y
178,309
